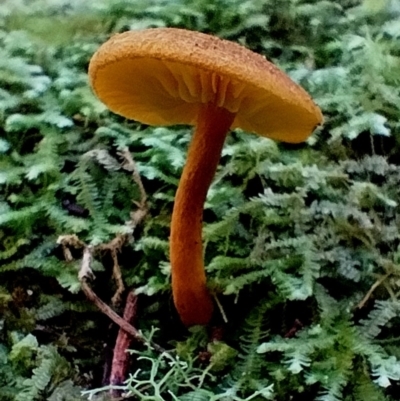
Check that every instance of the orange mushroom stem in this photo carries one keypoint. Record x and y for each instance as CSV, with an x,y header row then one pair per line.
x,y
191,296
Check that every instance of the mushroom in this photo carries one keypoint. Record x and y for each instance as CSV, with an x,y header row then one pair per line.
x,y
166,76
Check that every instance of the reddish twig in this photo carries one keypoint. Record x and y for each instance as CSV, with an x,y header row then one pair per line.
x,y
120,362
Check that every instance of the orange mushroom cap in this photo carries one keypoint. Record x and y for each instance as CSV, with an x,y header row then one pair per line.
x,y
162,76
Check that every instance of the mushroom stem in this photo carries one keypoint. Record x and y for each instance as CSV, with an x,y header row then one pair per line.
x,y
191,296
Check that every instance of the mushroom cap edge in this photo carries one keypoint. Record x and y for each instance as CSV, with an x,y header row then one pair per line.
x,y
162,76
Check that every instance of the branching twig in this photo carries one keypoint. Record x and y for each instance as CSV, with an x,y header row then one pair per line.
x,y
84,274
127,331
115,317
115,245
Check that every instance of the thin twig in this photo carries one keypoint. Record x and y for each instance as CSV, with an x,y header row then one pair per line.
x,y
116,299
372,289
221,309
114,246
109,312
115,317
85,268
130,165
389,289
138,215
